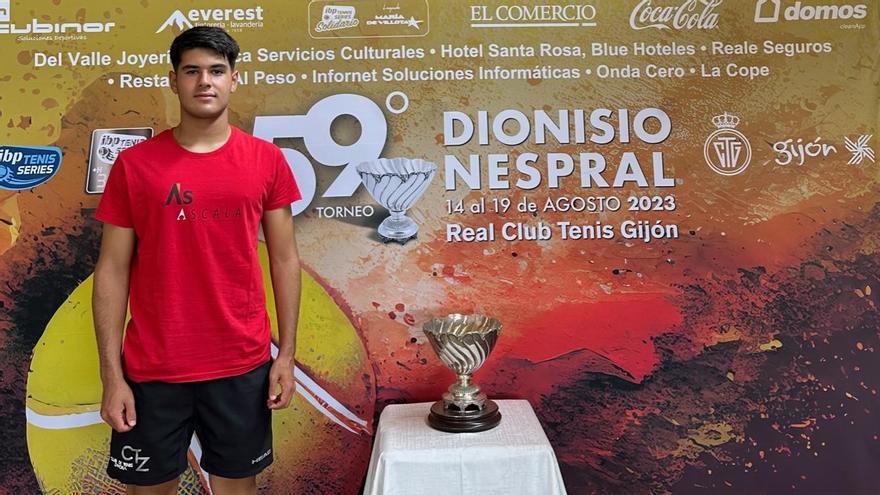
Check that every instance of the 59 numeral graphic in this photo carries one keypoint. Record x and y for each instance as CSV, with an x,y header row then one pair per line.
x,y
314,129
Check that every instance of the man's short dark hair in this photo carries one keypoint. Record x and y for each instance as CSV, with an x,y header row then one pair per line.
x,y
211,38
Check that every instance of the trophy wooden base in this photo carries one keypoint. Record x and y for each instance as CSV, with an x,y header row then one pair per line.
x,y
453,421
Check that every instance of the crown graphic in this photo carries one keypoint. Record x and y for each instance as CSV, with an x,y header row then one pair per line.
x,y
725,121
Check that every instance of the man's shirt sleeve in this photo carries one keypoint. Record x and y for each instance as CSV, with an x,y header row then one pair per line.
x,y
283,189
115,205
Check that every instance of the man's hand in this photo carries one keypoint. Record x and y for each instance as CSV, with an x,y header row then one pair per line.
x,y
117,406
280,377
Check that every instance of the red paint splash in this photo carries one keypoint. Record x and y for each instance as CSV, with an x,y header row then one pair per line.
x,y
618,330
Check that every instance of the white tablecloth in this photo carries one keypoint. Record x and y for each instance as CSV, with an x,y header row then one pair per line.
x,y
411,458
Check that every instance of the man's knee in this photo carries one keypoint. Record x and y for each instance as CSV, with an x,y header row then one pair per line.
x,y
233,486
167,488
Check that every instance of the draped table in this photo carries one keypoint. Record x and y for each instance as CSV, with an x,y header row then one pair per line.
x,y
411,458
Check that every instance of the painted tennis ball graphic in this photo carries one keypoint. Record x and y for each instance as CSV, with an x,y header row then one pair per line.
x,y
328,423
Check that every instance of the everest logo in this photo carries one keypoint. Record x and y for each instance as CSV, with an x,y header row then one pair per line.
x,y
176,19
231,19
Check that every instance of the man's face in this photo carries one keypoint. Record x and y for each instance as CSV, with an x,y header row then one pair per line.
x,y
203,82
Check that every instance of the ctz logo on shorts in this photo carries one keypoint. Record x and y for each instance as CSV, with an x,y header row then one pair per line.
x,y
131,459
25,167
727,151
230,19
769,10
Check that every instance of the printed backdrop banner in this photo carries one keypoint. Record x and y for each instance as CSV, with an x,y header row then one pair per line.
x,y
670,204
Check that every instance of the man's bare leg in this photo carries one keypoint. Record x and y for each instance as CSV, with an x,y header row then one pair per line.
x,y
233,486
167,488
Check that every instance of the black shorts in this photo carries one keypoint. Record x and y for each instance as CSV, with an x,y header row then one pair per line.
x,y
229,416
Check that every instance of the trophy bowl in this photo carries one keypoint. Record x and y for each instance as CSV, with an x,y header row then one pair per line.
x,y
396,184
463,342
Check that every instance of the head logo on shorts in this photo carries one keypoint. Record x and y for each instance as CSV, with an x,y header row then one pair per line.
x,y
26,167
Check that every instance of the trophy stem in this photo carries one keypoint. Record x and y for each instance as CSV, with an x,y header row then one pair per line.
x,y
398,227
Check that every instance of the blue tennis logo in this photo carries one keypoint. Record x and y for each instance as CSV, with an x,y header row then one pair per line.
x,y
25,167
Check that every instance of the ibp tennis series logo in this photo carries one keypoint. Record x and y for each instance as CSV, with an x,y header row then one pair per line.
x,y
335,17
106,146
26,167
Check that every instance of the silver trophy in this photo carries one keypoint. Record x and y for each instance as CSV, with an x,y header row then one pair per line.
x,y
396,184
463,342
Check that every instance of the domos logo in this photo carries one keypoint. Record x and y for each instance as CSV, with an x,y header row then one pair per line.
x,y
767,11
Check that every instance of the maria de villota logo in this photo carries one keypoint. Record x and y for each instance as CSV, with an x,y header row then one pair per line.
x,y
727,151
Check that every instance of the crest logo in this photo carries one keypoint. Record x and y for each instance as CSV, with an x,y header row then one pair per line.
x,y
727,151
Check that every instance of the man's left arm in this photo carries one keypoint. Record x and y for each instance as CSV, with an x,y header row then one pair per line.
x,y
284,267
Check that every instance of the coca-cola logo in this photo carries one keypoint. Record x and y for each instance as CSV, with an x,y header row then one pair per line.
x,y
691,14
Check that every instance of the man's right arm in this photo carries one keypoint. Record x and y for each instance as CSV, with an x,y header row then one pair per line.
x,y
109,306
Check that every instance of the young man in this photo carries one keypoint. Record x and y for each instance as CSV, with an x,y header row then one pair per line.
x,y
181,215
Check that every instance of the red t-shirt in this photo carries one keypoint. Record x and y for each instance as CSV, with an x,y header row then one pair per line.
x,y
198,308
